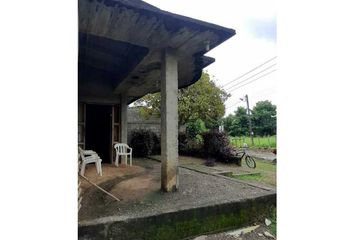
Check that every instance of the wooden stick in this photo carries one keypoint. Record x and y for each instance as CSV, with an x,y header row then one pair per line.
x,y
100,188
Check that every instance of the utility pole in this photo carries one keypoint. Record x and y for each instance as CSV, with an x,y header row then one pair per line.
x,y
249,118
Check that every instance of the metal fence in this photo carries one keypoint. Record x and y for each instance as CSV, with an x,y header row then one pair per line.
x,y
259,141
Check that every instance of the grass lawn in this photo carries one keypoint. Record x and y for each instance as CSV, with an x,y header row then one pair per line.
x,y
266,166
267,172
255,177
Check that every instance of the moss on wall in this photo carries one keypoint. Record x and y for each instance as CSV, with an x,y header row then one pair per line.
x,y
186,223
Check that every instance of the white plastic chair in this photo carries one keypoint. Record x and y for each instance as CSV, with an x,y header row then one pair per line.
x,y
122,150
89,156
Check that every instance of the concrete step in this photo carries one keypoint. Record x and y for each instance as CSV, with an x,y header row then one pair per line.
x,y
181,224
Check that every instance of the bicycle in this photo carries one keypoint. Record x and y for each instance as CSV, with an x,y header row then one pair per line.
x,y
250,162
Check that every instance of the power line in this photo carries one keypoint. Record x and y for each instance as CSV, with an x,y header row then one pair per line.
x,y
255,79
233,104
251,76
249,71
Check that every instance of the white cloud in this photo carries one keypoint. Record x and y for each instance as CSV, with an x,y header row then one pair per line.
x,y
253,44
266,29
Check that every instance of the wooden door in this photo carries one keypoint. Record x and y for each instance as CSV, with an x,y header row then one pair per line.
x,y
81,126
115,133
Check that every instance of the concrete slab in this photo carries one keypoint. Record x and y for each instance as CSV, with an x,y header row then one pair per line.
x,y
264,154
221,170
203,203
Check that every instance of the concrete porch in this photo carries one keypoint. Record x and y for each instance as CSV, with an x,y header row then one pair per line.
x,y
203,203
128,49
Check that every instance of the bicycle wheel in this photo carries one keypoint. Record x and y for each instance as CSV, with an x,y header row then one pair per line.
x,y
251,163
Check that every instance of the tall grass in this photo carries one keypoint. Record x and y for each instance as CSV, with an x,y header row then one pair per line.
x,y
259,142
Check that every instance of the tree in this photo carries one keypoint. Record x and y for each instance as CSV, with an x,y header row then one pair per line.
x,y
237,124
264,118
227,122
195,129
203,100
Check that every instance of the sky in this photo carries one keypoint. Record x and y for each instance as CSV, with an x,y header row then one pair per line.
x,y
253,44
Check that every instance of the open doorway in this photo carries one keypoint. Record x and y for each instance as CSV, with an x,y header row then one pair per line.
x,y
98,130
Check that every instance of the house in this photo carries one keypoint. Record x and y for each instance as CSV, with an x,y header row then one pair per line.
x,y
128,48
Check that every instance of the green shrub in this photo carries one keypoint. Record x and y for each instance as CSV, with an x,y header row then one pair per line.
x,y
195,129
144,143
217,145
190,147
182,142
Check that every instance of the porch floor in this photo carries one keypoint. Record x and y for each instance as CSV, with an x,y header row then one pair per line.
x,y
138,187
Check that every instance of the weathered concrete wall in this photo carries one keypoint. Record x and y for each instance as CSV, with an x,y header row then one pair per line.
x,y
136,122
185,223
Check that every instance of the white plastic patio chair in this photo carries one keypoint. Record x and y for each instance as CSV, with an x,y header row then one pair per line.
x,y
122,149
89,156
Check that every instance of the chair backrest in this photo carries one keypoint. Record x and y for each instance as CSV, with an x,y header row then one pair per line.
x,y
120,147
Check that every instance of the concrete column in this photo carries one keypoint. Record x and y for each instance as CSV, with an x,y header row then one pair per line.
x,y
169,121
124,117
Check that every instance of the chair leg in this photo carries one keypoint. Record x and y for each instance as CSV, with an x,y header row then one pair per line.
x,y
117,160
82,172
130,159
97,166
100,166
126,159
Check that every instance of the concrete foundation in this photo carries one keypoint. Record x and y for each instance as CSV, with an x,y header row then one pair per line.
x,y
169,121
203,204
182,224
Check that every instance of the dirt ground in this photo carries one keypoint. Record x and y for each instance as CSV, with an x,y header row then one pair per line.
x,y
125,182
109,172
138,188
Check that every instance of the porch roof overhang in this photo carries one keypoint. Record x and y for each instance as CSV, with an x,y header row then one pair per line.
x,y
120,44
